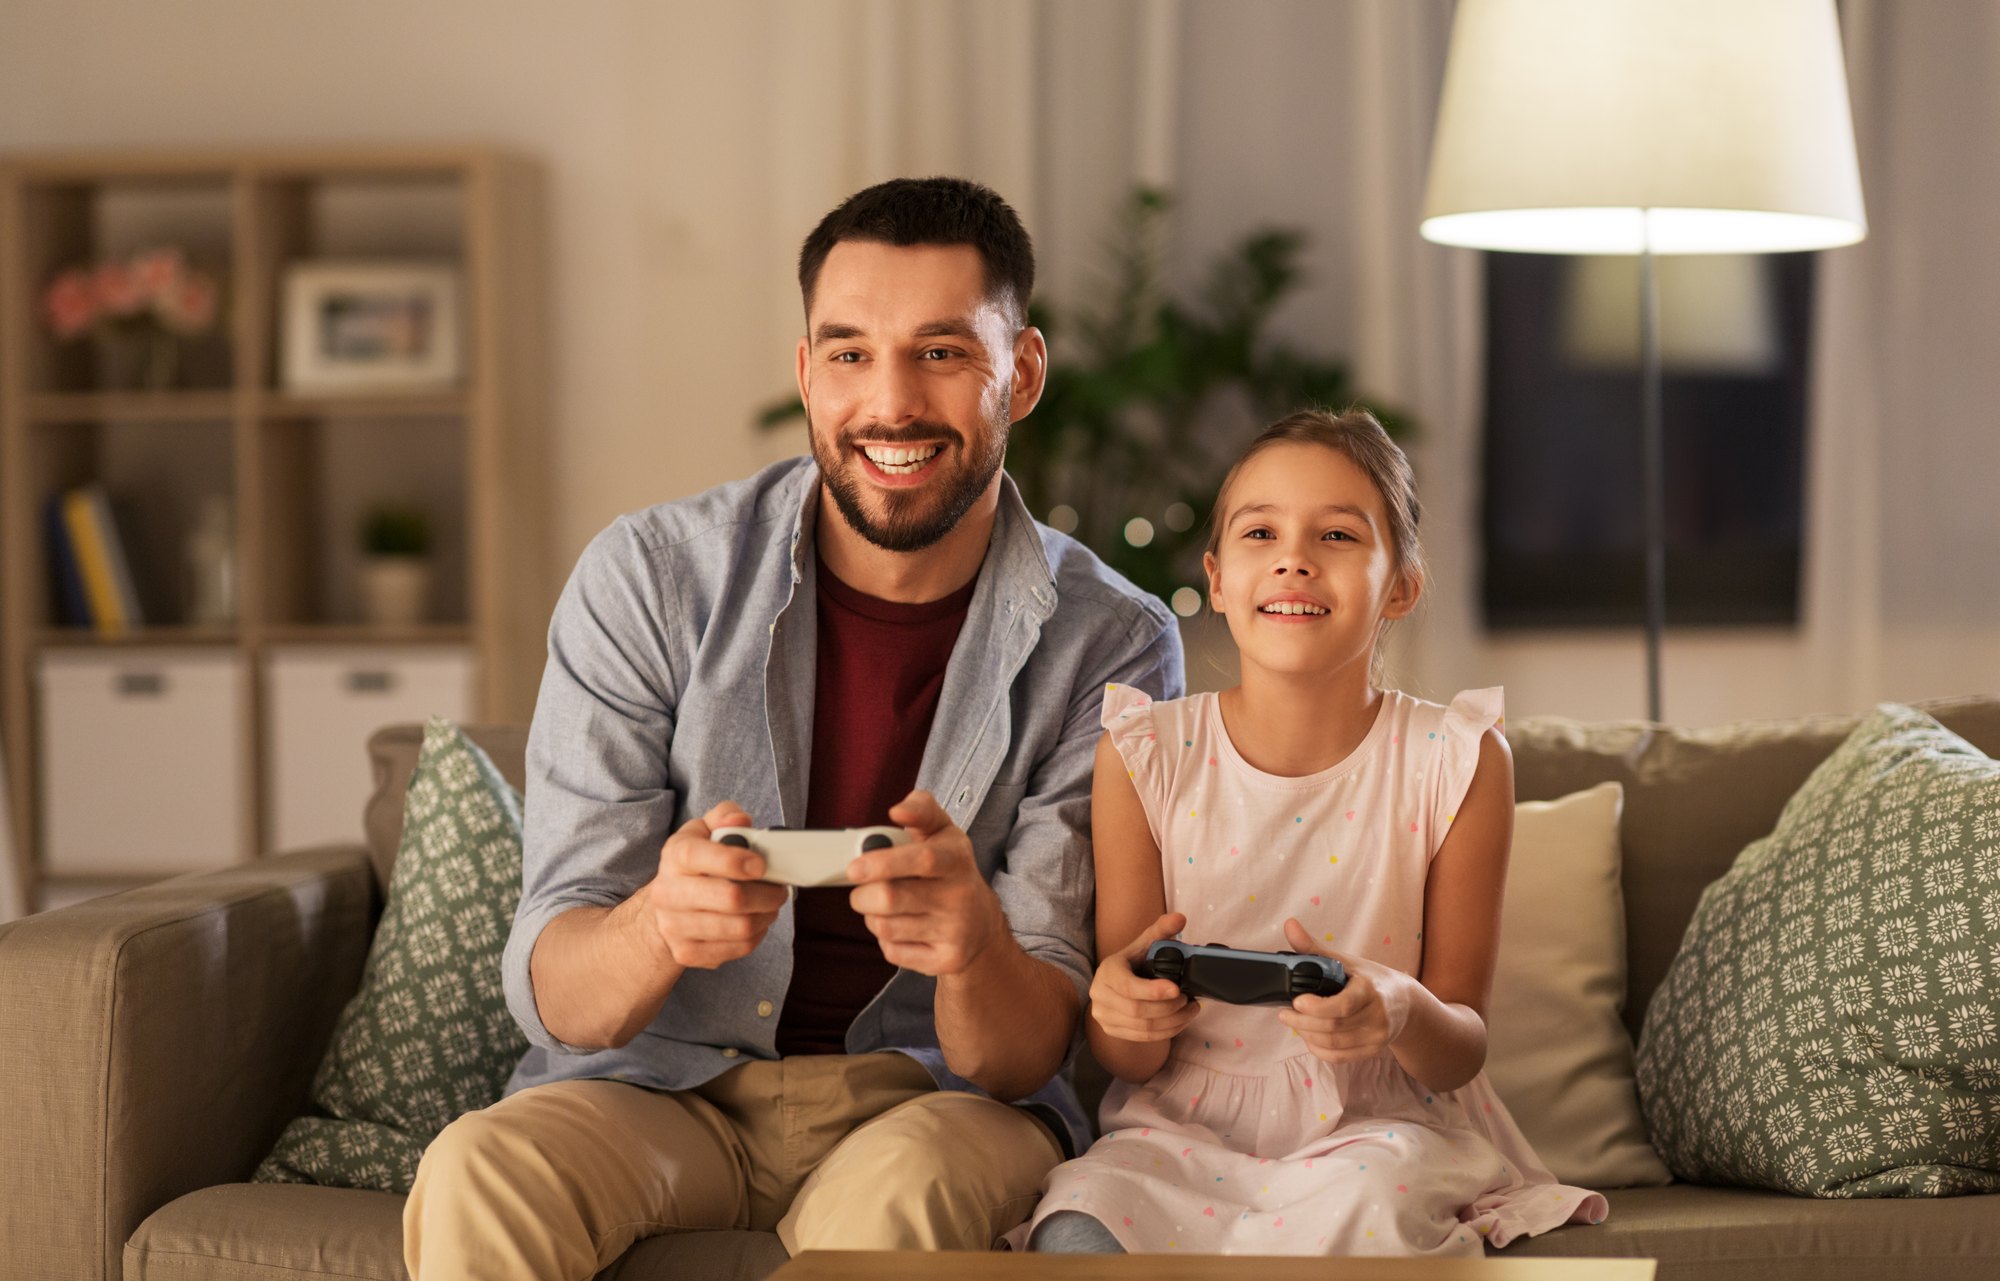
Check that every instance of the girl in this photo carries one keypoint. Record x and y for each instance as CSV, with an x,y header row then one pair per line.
x,y
1305,810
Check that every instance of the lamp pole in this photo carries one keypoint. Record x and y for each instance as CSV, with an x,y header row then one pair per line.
x,y
1653,464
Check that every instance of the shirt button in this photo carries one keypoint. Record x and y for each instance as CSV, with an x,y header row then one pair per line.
x,y
764,1009
729,1053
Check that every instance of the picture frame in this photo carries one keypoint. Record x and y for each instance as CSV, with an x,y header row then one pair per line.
x,y
354,327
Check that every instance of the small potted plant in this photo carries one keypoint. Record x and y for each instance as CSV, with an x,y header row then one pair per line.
x,y
395,567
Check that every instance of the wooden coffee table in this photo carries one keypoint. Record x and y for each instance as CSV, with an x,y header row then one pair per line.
x,y
907,1265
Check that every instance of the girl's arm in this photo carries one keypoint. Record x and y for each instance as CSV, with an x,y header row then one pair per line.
x,y
1435,1024
1132,1020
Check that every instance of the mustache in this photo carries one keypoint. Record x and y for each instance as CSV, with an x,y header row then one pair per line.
x,y
915,433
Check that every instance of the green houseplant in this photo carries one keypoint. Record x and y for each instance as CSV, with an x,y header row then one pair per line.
x,y
1149,397
395,567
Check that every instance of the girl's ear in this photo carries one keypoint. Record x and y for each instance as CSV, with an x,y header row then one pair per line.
x,y
1213,569
1403,595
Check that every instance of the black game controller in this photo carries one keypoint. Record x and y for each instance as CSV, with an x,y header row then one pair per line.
x,y
1241,978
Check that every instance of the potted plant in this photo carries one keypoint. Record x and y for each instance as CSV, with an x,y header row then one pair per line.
x,y
395,567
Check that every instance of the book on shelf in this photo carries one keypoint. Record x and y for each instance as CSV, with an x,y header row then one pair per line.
x,y
72,606
101,562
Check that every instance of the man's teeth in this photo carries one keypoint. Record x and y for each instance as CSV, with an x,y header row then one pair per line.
x,y
900,462
1292,607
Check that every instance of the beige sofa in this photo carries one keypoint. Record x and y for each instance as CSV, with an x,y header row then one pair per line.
x,y
153,1044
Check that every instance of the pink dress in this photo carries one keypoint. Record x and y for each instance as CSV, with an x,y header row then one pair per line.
x,y
1244,1143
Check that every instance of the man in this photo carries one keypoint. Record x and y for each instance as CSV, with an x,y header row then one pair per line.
x,y
880,634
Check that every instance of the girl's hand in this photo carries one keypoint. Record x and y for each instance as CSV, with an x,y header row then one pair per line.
x,y
1135,1009
1358,1023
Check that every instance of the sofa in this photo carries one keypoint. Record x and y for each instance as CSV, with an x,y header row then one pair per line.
x,y
153,1044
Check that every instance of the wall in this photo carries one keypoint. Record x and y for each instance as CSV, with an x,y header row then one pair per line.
x,y
692,144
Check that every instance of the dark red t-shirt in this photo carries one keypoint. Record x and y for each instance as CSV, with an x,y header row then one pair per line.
x,y
880,671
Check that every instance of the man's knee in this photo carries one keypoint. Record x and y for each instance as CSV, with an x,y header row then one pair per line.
x,y
946,1171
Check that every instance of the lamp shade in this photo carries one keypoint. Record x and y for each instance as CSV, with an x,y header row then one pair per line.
x,y
1596,126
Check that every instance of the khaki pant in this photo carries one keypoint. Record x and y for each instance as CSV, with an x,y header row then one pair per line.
x,y
833,1152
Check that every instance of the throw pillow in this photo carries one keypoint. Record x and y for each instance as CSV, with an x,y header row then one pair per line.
x,y
428,1035
1557,1050
1829,1026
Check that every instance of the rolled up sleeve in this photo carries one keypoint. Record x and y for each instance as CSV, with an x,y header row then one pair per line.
x,y
1046,881
598,803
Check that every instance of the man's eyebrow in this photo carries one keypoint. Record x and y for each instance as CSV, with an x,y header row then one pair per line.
x,y
834,331
956,327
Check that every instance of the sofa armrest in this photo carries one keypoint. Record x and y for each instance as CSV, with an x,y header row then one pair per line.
x,y
156,1041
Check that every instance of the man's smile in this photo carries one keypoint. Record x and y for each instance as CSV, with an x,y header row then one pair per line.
x,y
898,465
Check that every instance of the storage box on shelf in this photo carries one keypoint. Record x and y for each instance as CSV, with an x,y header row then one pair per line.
x,y
298,470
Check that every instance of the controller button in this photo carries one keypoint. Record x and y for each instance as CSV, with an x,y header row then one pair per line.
x,y
875,841
736,840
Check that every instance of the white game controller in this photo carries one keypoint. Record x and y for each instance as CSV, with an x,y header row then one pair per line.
x,y
810,858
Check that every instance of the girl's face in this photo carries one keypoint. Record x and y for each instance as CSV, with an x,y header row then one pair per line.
x,y
1304,570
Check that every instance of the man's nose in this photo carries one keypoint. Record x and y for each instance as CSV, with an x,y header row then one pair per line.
x,y
897,394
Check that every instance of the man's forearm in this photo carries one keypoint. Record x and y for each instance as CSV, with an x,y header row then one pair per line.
x,y
1005,1022
597,980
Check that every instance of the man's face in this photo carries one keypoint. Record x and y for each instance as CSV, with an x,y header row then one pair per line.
x,y
911,376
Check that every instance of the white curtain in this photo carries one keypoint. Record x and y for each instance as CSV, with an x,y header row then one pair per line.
x,y
1903,565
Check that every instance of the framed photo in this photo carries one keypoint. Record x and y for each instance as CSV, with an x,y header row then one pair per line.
x,y
371,327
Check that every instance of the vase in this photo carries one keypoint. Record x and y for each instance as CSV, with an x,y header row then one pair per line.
x,y
142,359
395,590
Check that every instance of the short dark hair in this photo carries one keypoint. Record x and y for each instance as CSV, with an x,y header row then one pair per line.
x,y
931,211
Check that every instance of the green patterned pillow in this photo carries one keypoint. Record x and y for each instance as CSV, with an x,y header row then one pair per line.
x,y
428,1036
1831,1025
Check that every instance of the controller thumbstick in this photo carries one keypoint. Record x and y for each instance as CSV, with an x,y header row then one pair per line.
x,y
875,841
736,839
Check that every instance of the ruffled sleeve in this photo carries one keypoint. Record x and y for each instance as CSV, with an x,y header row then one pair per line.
x,y
1466,720
1128,718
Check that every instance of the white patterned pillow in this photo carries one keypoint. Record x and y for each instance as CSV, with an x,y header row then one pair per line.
x,y
428,1036
1830,1025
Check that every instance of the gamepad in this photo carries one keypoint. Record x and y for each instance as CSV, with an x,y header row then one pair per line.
x,y
813,857
1238,977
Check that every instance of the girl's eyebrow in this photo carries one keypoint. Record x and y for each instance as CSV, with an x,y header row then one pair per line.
x,y
1334,509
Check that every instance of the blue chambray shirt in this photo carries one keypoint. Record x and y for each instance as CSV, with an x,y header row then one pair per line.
x,y
681,671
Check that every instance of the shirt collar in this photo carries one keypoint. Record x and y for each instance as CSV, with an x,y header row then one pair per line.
x,y
1015,555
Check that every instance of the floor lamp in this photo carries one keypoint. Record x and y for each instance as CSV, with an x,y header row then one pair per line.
x,y
1645,127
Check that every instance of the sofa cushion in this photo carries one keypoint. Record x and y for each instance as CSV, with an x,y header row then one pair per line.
x,y
1556,1050
1693,799
428,1036
392,754
292,1232
1831,1026
1742,1234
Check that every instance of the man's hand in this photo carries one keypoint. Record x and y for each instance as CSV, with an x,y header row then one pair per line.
x,y
1362,1019
705,904
926,902
1135,1009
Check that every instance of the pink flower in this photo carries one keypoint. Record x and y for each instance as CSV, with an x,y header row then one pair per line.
x,y
118,293
158,272
190,308
70,303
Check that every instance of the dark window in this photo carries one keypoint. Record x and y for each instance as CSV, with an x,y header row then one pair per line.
x,y
1561,504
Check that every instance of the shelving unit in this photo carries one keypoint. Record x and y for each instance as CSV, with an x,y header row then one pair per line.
x,y
298,469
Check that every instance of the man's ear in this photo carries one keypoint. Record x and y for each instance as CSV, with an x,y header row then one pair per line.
x,y
1031,372
1213,569
804,354
1403,596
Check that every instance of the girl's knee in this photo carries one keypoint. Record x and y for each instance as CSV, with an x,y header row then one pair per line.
x,y
1070,1232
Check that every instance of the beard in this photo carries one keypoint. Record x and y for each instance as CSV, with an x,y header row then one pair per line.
x,y
911,520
